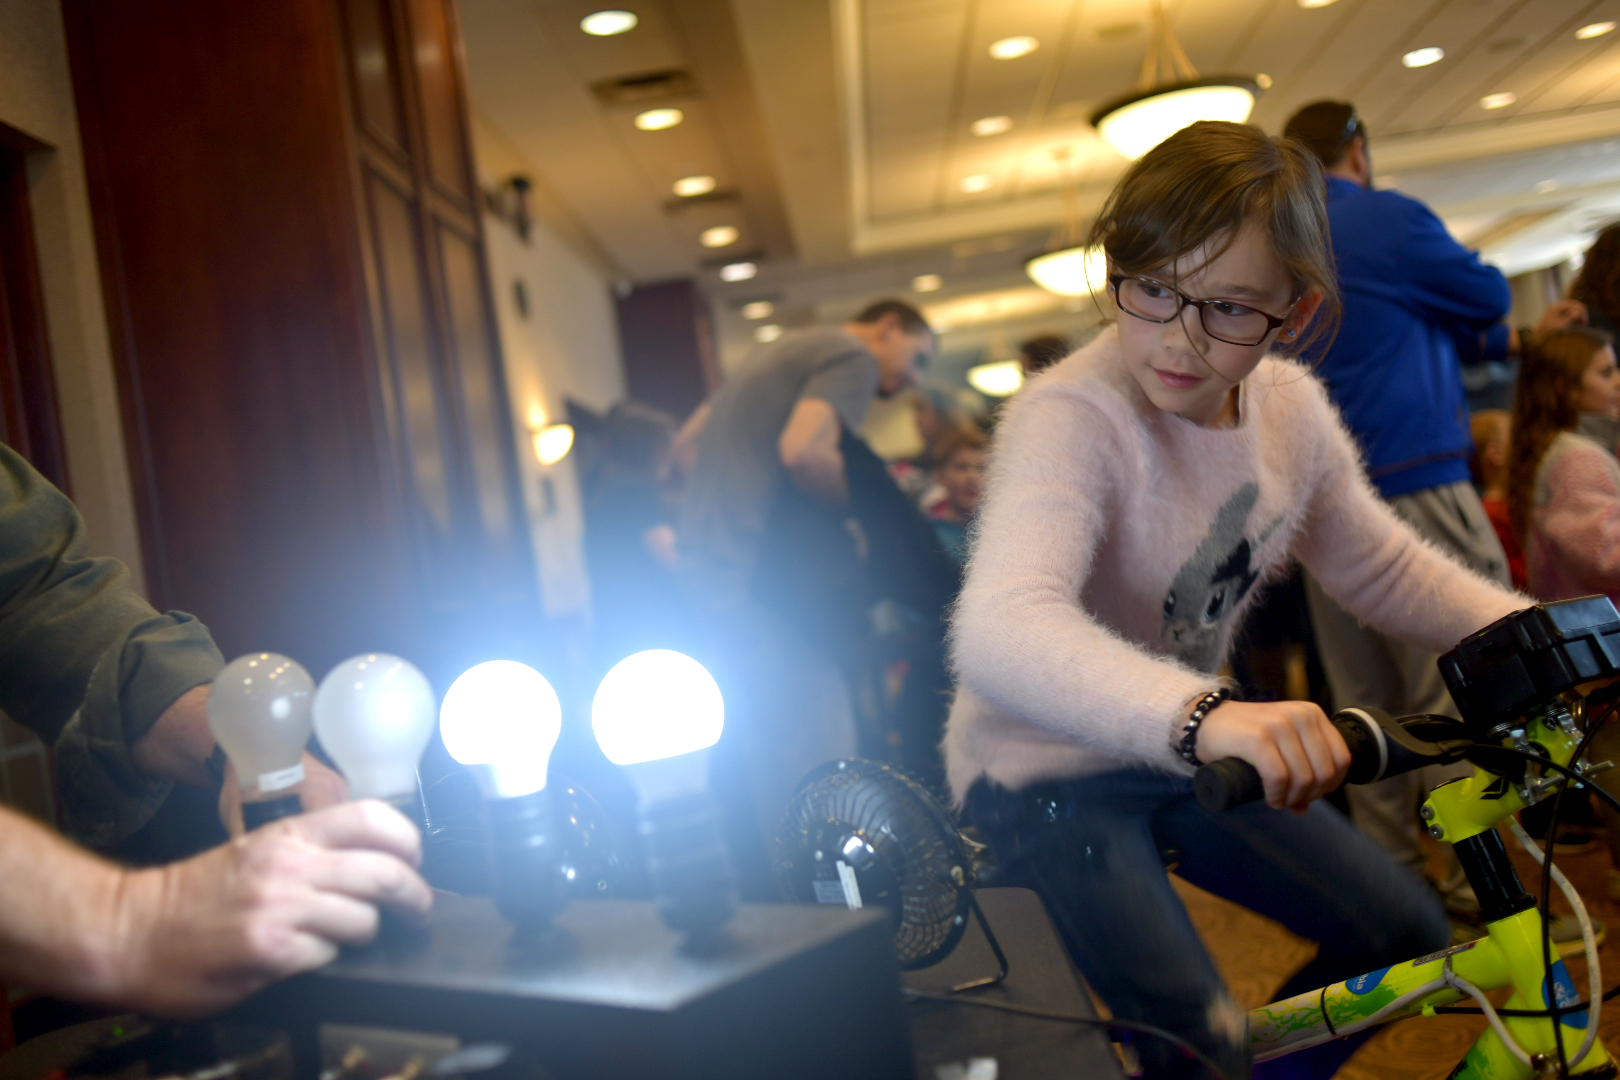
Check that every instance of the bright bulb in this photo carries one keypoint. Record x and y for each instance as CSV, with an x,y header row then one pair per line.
x,y
552,443
1498,101
659,119
1316,3
1424,57
1139,126
758,309
1592,30
976,183
927,283
259,710
653,713
608,23
502,719
991,125
1000,379
719,236
767,333
1075,271
688,186
738,271
374,715
1014,47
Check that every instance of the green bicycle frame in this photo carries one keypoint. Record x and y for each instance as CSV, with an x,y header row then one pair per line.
x,y
1463,813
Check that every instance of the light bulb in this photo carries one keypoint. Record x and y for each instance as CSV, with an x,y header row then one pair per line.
x,y
374,715
259,711
502,719
656,714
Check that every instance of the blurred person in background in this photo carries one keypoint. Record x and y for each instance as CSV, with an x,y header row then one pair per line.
x,y
1041,352
764,552
1563,499
1488,466
1411,294
1597,286
960,476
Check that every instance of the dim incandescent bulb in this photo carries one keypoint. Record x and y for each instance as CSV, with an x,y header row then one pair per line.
x,y
502,719
374,715
259,711
657,714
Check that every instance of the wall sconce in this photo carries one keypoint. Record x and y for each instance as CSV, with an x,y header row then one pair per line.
x,y
552,442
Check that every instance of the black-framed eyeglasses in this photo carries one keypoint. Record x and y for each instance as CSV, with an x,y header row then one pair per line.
x,y
1153,301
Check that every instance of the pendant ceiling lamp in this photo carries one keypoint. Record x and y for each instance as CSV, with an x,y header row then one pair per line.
x,y
1156,110
1068,267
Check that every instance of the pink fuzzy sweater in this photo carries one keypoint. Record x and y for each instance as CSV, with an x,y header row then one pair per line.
x,y
1119,545
1574,544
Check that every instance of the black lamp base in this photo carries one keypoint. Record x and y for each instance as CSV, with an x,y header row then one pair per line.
x,y
258,814
690,866
529,884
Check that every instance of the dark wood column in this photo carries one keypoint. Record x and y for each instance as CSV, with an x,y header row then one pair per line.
x,y
668,340
295,281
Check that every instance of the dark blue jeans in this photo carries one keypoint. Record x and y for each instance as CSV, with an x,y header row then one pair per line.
x,y
1091,849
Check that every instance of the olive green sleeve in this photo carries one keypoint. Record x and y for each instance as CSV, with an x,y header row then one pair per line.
x,y
64,617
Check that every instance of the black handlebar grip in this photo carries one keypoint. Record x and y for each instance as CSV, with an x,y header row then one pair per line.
x,y
1227,783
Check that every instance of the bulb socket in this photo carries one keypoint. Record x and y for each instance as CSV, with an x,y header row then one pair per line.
x,y
530,887
259,814
689,863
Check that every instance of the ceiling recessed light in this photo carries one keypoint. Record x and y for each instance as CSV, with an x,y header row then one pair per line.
x,y
759,309
1263,81
991,125
1431,54
687,186
1592,30
976,183
768,332
1546,186
1498,101
1316,3
659,119
1013,47
719,236
926,283
608,23
740,271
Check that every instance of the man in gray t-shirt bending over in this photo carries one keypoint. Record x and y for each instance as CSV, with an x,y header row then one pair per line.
x,y
777,421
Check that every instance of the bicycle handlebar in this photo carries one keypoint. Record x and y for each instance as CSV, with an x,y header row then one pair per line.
x,y
1377,750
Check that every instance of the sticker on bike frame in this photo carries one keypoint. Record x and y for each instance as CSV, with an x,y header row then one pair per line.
x,y
1443,953
1565,989
1366,984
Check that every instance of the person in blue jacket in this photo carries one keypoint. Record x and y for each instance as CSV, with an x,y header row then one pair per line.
x,y
1414,300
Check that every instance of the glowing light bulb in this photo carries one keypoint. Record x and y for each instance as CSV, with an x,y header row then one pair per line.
x,y
259,711
374,715
656,714
502,719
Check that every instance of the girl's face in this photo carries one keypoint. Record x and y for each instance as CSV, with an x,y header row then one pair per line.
x,y
1599,389
1179,366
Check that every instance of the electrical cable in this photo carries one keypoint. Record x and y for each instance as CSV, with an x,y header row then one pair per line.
x,y
1452,979
1108,1024
1588,939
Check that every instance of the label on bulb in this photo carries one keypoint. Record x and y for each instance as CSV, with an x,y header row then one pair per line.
x,y
281,778
852,888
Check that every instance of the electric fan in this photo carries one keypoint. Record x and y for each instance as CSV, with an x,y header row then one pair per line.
x,y
863,834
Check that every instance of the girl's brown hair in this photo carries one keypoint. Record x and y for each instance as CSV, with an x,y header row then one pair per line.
x,y
1598,284
1200,185
1543,406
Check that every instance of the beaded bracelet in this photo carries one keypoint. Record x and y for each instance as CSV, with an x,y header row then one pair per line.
x,y
1189,734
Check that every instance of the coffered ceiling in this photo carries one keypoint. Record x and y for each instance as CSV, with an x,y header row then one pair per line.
x,y
840,131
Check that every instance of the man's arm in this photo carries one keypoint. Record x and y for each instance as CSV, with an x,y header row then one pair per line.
x,y
197,936
808,449
684,447
1446,279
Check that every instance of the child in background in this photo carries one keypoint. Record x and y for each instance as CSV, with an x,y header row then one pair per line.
x,y
960,475
1139,491
1490,428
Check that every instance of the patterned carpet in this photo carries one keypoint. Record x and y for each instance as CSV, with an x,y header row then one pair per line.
x,y
1257,954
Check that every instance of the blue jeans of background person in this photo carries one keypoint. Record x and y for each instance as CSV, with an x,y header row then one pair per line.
x,y
1092,847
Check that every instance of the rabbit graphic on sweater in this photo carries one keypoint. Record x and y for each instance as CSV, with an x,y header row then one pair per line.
x,y
1210,585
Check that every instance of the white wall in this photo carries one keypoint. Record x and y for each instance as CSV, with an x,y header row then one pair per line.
x,y
566,347
36,96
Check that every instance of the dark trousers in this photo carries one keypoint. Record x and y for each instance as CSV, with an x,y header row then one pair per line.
x,y
1092,849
